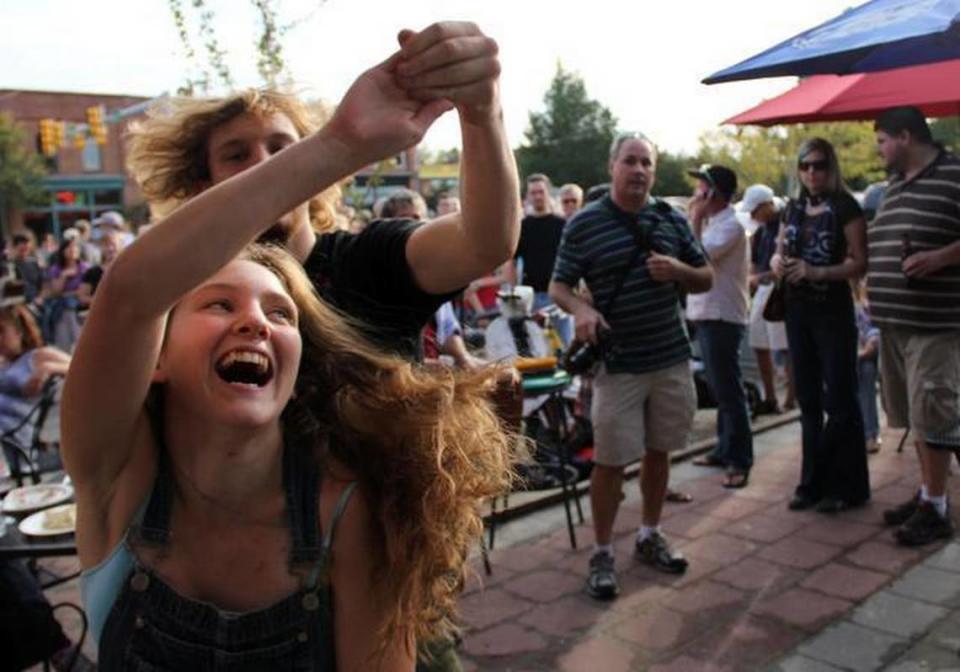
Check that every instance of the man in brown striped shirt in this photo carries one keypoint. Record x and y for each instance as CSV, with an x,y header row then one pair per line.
x,y
914,288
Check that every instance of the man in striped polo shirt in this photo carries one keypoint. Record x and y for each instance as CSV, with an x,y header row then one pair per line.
x,y
643,397
914,289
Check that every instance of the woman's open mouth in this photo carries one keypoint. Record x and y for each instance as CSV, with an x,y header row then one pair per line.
x,y
245,367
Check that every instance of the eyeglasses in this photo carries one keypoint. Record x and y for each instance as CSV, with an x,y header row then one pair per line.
x,y
568,200
818,166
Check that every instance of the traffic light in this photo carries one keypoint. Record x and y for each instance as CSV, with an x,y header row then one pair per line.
x,y
79,138
47,138
95,121
59,134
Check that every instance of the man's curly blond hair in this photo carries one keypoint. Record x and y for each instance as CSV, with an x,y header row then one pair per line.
x,y
167,152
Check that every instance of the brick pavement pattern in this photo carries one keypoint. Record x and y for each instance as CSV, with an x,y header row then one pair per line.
x,y
767,588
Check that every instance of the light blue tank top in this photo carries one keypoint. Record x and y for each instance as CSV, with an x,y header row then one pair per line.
x,y
101,585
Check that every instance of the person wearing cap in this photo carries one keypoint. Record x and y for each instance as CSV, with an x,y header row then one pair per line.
x,y
720,316
111,220
643,394
761,206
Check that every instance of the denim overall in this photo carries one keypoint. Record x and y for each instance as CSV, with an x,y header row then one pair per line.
x,y
152,628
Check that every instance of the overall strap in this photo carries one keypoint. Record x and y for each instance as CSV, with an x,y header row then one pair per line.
x,y
323,565
301,485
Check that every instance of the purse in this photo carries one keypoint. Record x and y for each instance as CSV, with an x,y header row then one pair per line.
x,y
775,309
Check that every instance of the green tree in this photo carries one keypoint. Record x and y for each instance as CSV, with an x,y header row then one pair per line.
x,y
672,174
21,172
947,131
570,139
769,155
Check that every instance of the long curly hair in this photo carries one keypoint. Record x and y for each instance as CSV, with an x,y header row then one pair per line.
x,y
427,447
167,152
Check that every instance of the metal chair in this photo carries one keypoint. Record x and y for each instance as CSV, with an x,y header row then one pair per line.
x,y
40,456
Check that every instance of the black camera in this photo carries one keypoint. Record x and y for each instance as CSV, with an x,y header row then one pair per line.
x,y
581,357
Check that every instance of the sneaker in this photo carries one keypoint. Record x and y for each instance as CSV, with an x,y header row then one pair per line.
x,y
655,551
925,526
602,582
767,407
901,513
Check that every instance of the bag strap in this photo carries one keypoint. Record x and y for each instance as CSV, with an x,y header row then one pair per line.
x,y
639,240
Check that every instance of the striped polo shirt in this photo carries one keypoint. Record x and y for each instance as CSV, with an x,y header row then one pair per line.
x,y
925,209
646,318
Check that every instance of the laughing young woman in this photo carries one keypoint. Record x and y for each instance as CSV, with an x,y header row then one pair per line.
x,y
256,487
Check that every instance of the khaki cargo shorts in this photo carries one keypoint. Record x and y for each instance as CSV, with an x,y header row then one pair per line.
x,y
632,412
920,381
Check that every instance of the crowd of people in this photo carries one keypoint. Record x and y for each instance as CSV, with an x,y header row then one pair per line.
x,y
265,470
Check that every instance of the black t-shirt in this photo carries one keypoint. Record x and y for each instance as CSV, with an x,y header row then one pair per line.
x,y
92,277
367,276
29,271
539,239
820,241
763,245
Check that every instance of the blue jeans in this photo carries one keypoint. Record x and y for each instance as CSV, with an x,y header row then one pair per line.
x,y
868,397
720,344
823,351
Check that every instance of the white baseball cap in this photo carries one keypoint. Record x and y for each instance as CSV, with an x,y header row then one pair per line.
x,y
755,196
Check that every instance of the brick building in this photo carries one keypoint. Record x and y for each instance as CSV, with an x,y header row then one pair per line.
x,y
82,183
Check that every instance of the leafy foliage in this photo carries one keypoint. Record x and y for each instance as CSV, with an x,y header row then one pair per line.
x,y
212,67
570,139
21,170
769,155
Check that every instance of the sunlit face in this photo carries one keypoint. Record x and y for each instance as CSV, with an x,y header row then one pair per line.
x,y
109,247
633,171
539,197
570,203
893,150
233,348
765,212
813,169
448,205
246,141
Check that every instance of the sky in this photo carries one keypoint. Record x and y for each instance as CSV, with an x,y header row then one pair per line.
x,y
643,60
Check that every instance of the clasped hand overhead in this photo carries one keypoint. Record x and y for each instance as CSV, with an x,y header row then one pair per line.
x,y
448,65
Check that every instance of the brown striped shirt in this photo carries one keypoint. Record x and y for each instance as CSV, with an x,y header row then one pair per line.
x,y
926,209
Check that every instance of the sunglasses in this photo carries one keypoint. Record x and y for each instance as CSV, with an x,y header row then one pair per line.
x,y
818,166
568,200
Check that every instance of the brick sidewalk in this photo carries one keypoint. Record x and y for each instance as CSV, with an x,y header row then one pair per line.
x,y
762,582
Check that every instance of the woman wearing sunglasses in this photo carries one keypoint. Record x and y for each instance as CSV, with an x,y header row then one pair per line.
x,y
822,246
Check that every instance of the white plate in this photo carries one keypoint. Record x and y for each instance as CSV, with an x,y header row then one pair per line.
x,y
35,497
51,522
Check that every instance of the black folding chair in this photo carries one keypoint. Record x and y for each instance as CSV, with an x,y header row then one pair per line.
x,y
39,457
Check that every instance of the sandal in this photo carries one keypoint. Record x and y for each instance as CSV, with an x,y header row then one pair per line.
x,y
736,479
708,461
678,497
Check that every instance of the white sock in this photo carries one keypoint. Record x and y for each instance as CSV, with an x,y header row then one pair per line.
x,y
646,531
603,548
940,504
924,496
